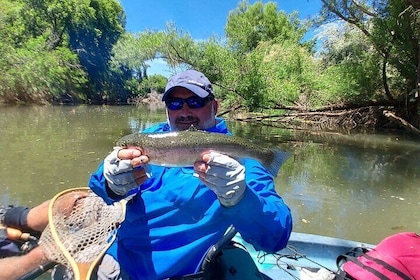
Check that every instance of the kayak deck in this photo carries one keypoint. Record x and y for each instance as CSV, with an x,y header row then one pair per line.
x,y
308,251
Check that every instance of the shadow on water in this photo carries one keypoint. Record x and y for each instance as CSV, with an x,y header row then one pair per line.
x,y
362,187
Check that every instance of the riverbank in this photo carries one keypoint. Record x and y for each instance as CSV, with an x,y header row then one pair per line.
x,y
363,119
366,119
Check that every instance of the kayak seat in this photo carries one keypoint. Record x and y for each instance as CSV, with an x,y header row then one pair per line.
x,y
227,260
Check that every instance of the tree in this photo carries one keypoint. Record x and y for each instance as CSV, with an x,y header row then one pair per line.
x,y
32,71
392,27
152,83
65,45
89,28
92,36
248,25
350,64
256,35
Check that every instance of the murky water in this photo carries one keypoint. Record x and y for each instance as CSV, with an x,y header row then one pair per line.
x,y
360,187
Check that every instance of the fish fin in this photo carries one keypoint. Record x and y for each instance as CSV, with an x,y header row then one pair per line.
x,y
278,159
148,170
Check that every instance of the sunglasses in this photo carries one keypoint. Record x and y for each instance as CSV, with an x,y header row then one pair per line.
x,y
194,102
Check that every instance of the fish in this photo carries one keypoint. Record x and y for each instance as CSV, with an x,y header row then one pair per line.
x,y
183,148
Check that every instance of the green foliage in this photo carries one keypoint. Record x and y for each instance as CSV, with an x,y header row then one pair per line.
x,y
133,52
152,83
79,47
35,74
178,47
352,67
391,35
267,65
248,25
396,33
292,75
128,53
12,28
92,37
57,47
250,83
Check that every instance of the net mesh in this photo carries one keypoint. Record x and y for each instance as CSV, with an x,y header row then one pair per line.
x,y
82,225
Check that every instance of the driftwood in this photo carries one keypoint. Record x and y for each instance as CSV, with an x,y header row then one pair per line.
x,y
229,111
362,118
401,122
367,118
341,106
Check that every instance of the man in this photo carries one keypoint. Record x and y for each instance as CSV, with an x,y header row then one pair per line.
x,y
176,214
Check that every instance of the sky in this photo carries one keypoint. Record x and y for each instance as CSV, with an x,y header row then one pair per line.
x,y
200,18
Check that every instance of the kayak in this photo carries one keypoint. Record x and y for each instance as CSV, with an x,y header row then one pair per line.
x,y
306,256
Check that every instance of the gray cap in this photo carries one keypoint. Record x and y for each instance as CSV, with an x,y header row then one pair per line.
x,y
193,80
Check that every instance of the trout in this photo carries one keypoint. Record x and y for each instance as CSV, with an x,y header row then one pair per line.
x,y
183,148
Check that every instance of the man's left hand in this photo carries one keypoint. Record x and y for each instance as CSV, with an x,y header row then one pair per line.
x,y
223,175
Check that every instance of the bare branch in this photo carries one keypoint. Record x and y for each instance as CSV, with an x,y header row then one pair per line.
x,y
363,9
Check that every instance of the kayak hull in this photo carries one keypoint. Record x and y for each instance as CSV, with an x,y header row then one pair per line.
x,y
304,251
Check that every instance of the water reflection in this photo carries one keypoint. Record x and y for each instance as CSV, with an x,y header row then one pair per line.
x,y
362,187
351,191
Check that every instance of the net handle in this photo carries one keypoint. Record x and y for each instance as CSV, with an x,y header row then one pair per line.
x,y
74,266
82,271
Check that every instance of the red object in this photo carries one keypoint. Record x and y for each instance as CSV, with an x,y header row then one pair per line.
x,y
395,257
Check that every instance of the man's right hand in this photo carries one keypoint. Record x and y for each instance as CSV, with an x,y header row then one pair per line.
x,y
123,169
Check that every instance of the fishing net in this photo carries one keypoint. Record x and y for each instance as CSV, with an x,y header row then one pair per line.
x,y
81,227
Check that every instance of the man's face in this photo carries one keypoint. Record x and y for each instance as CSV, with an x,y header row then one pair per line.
x,y
200,118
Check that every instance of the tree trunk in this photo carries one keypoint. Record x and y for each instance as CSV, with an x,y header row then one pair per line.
x,y
385,79
401,122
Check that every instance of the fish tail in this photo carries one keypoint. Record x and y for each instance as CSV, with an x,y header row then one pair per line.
x,y
279,157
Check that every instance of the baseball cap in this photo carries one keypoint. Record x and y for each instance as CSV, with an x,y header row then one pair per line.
x,y
191,79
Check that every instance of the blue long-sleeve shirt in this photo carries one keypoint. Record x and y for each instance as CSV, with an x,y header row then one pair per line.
x,y
174,218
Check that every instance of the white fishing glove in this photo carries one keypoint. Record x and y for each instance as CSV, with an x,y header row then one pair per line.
x,y
118,173
226,177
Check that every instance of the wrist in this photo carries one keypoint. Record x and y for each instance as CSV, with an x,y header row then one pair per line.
x,y
232,197
120,190
16,217
38,256
3,211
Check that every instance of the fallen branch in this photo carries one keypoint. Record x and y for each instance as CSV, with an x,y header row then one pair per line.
x,y
401,122
339,107
229,111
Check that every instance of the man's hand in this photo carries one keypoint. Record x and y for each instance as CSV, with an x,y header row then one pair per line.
x,y
223,175
123,169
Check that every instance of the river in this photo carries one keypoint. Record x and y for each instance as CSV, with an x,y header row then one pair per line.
x,y
362,187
